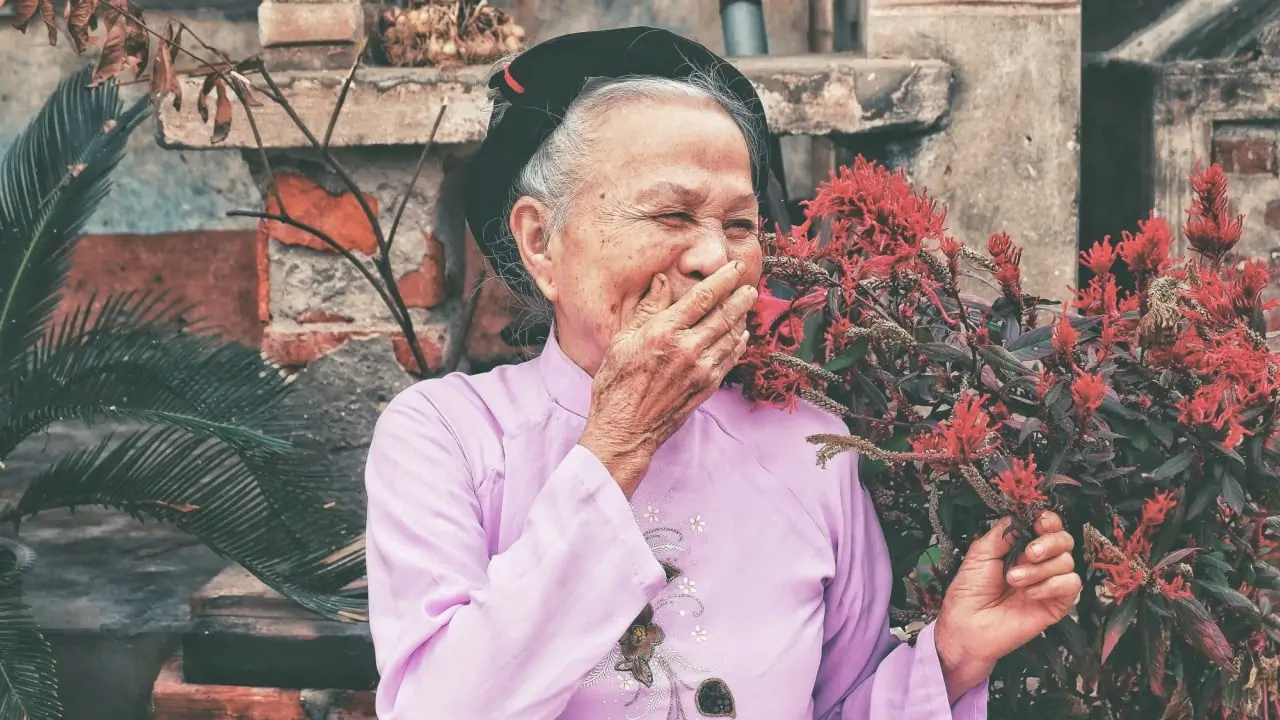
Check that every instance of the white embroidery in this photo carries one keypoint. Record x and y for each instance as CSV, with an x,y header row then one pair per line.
x,y
678,599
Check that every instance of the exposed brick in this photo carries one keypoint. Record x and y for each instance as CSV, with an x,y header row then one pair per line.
x,y
213,271
433,349
495,310
425,287
295,24
174,699
1271,216
339,216
313,317
312,57
264,274
1255,155
296,348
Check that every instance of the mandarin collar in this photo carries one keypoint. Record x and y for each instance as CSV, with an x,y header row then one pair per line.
x,y
568,385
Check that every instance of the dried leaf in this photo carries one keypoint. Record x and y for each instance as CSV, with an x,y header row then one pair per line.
x,y
244,89
163,77
113,60
202,99
50,18
80,14
222,113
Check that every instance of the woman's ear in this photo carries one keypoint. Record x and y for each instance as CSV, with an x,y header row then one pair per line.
x,y
530,226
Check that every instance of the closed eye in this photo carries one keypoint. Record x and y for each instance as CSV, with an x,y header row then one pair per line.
x,y
676,218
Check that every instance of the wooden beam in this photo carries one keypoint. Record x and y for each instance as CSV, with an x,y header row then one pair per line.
x,y
828,94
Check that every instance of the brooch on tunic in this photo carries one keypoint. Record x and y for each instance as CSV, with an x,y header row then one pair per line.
x,y
711,697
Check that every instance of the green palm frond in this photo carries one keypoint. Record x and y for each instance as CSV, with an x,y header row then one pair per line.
x,y
28,684
134,359
51,181
206,488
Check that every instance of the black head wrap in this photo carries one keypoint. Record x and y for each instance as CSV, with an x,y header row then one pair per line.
x,y
541,84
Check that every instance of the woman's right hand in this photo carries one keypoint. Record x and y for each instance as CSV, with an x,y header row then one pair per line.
x,y
663,365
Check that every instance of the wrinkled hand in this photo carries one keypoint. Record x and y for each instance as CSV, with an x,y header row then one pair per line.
x,y
671,357
987,615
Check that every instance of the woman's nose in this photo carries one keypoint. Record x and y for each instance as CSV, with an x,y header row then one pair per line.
x,y
707,252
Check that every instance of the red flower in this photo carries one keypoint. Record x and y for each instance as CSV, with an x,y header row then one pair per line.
x,y
1007,258
1021,484
1100,257
1087,393
1175,588
1209,229
1064,340
1147,251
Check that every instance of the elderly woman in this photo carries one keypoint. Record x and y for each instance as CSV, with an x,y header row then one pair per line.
x,y
607,531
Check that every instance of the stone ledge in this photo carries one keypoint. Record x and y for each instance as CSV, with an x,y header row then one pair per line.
x,y
835,94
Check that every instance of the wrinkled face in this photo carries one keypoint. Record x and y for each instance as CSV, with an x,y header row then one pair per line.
x,y
670,192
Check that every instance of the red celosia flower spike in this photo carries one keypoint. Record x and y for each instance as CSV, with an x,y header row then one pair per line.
x,y
1099,258
1021,484
1088,390
1210,230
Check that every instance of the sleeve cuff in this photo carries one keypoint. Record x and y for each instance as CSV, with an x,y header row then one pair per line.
x,y
602,491
972,705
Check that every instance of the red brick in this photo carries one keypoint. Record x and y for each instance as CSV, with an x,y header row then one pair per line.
x,y
174,699
213,271
338,216
264,277
424,287
1271,216
1247,155
433,349
314,317
296,348
496,309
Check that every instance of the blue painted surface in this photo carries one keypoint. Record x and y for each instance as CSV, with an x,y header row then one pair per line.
x,y
156,190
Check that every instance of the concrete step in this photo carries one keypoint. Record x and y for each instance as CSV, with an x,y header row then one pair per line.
x,y
244,633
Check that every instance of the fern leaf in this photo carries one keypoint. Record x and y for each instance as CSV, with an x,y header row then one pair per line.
x,y
28,676
134,359
51,181
206,488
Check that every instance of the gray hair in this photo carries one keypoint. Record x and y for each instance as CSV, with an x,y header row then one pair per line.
x,y
556,173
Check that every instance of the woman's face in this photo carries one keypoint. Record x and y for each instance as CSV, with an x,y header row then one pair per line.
x,y
669,192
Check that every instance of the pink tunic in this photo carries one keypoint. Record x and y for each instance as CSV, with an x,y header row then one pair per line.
x,y
510,578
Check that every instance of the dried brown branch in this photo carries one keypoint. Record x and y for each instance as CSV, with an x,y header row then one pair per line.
x,y
328,240
417,171
342,95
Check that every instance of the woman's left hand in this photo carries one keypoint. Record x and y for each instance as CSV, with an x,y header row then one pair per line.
x,y
987,614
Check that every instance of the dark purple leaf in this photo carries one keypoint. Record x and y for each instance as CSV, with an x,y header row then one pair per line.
x,y
1118,624
1229,598
1232,493
1175,557
1174,465
1199,630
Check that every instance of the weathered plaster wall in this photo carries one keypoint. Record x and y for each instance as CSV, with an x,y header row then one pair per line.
x,y
1008,160
156,191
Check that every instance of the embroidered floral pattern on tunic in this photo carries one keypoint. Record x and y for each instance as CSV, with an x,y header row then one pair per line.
x,y
649,670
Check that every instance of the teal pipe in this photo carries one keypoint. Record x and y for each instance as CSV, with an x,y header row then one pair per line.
x,y
743,24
